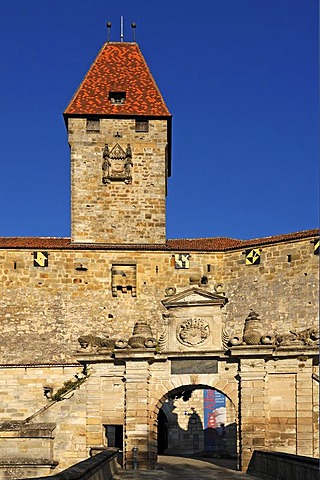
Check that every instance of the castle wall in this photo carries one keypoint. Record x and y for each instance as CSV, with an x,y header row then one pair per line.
x,y
46,309
82,292
283,288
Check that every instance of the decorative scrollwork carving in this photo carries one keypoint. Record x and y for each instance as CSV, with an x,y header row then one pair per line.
x,y
308,337
163,339
225,338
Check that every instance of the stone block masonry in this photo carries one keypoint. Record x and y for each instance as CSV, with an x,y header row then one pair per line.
x,y
111,210
46,309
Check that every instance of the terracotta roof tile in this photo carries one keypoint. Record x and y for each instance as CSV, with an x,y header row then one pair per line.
x,y
225,244
216,244
34,242
119,67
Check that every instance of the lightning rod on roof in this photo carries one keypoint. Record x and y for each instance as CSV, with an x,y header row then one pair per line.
x,y
133,26
108,29
121,29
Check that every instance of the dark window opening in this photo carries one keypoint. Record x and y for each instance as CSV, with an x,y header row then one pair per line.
x,y
114,435
93,125
289,258
204,280
142,125
117,98
208,268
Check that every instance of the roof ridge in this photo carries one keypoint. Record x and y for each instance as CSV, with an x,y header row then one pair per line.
x,y
311,231
219,244
204,238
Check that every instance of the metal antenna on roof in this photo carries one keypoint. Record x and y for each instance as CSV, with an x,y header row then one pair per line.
x,y
133,26
108,29
121,29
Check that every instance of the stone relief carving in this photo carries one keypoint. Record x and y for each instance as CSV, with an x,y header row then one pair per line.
x,y
163,339
307,337
253,335
226,336
252,329
193,320
141,338
192,332
94,342
117,164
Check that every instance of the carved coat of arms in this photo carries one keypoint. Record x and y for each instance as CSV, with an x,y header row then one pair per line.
x,y
193,331
117,164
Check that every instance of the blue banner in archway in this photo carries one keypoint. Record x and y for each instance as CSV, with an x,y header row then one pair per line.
x,y
214,420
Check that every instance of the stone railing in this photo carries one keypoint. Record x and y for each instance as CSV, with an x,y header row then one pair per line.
x,y
283,466
100,465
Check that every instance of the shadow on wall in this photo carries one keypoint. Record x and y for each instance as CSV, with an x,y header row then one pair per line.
x,y
194,440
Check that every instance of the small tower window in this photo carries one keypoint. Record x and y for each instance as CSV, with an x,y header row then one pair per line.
x,y
142,125
93,125
117,98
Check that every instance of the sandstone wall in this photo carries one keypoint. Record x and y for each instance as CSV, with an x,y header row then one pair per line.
x,y
45,309
118,211
22,399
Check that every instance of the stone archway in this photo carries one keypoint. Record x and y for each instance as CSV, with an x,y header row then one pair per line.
x,y
193,428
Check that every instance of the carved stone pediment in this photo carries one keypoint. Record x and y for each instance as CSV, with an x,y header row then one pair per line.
x,y
194,296
193,321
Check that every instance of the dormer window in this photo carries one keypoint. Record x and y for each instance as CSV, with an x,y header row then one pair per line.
x,y
117,98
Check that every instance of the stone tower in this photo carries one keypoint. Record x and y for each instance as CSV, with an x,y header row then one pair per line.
x,y
119,131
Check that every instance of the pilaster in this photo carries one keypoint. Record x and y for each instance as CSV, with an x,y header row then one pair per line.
x,y
252,408
304,410
94,427
137,382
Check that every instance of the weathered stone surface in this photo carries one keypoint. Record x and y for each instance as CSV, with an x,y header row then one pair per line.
x,y
179,366
130,209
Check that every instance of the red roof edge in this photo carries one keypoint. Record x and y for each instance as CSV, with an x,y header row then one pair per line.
x,y
218,244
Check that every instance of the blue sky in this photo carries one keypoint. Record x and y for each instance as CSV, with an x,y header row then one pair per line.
x,y
240,78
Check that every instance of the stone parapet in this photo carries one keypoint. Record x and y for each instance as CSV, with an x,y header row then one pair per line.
x,y
278,465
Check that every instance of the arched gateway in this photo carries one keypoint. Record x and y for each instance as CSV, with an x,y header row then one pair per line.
x,y
192,353
197,420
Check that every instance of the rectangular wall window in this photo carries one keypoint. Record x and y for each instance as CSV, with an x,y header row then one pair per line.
x,y
142,125
93,125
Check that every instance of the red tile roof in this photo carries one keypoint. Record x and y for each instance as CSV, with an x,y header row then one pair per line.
x,y
119,67
217,244
225,244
